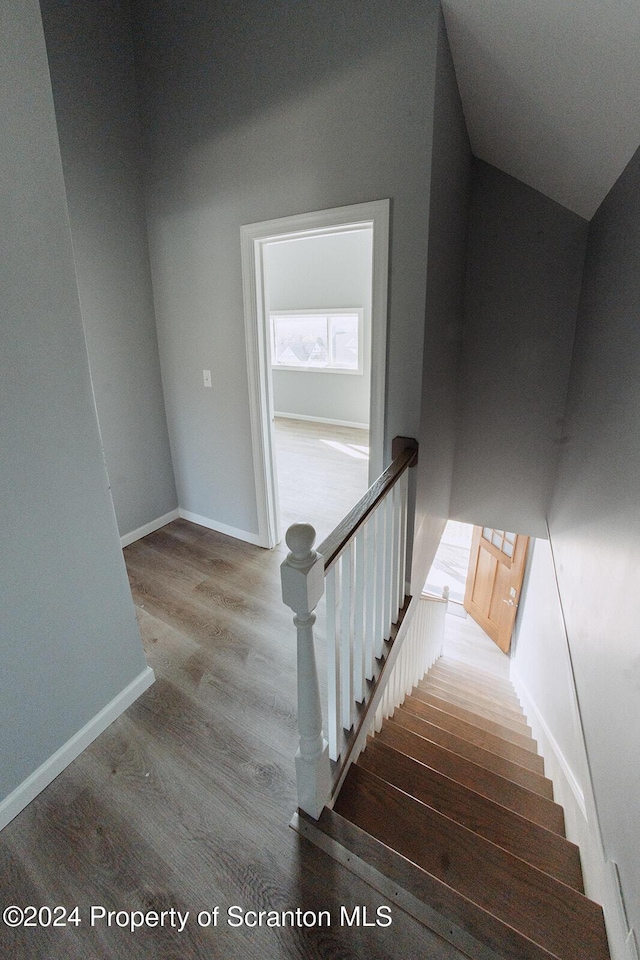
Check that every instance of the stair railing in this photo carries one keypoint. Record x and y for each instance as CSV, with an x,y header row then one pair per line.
x,y
361,566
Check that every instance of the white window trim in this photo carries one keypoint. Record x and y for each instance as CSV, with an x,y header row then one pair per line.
x,y
359,311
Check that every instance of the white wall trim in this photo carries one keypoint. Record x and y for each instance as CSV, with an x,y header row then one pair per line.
x,y
335,423
148,528
18,799
631,944
601,877
253,239
530,708
253,538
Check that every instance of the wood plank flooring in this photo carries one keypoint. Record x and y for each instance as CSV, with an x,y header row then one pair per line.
x,y
322,472
185,801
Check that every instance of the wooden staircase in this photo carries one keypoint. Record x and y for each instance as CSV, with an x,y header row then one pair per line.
x,y
448,812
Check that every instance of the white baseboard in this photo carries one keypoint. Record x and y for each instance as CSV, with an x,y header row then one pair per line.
x,y
18,799
335,423
253,538
601,878
531,710
148,528
630,943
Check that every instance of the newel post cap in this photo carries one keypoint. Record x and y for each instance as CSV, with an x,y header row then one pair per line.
x,y
302,571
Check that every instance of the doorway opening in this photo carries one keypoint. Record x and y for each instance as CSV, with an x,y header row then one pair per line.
x,y
481,570
315,295
318,303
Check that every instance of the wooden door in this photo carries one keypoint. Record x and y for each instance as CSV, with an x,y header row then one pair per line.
x,y
494,580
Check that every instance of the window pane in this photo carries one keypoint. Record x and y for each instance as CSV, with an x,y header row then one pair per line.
x,y
301,341
497,538
508,548
344,341
510,537
486,533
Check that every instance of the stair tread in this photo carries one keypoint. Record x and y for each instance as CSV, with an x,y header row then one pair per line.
x,y
500,730
462,667
503,690
535,844
504,694
509,718
534,903
505,792
469,731
397,870
503,766
495,704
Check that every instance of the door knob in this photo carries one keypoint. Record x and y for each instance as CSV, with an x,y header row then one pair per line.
x,y
509,603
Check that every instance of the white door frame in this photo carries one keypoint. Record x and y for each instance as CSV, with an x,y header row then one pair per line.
x,y
254,238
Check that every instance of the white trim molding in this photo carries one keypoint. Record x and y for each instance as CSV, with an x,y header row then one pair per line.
x,y
12,805
148,528
601,879
234,532
254,237
543,732
630,942
334,423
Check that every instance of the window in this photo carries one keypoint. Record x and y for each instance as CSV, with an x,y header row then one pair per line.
x,y
501,539
318,340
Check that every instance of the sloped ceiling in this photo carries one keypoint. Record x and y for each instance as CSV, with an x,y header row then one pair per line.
x,y
551,90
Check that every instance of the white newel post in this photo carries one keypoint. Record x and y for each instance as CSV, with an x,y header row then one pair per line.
x,y
302,575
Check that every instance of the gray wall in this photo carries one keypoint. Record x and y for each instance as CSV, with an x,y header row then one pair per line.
x,y
541,657
254,112
595,521
326,272
542,672
450,193
90,52
524,265
69,642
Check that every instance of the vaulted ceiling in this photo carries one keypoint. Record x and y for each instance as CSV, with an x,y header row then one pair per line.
x,y
551,90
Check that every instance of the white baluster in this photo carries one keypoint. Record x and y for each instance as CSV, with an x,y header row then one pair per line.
x,y
380,548
346,646
396,508
333,665
359,618
302,574
404,497
406,668
370,596
388,559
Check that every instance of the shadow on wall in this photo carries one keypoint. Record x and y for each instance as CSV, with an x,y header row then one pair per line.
x,y
285,49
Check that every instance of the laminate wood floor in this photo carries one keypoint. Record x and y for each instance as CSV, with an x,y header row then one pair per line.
x,y
322,472
184,802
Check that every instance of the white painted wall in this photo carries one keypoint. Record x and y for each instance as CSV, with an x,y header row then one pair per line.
x,y
448,212
541,660
542,673
90,53
594,522
524,266
309,108
327,272
69,642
